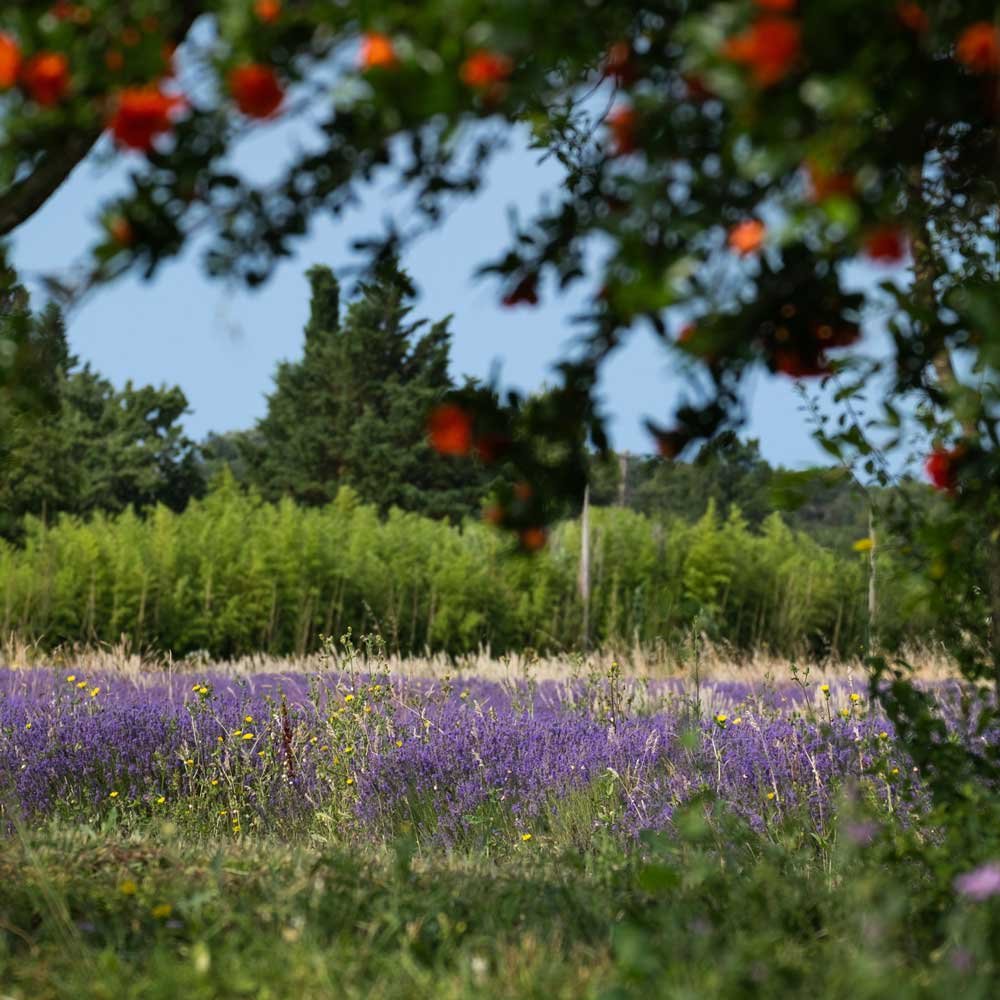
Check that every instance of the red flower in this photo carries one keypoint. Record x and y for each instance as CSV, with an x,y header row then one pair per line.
x,y
484,69
978,47
10,61
532,539
886,244
800,364
776,6
120,230
825,185
913,16
525,291
621,123
449,428
770,47
46,77
619,64
377,52
141,114
267,11
942,468
256,90
747,237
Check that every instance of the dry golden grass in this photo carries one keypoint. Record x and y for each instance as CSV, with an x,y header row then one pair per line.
x,y
710,664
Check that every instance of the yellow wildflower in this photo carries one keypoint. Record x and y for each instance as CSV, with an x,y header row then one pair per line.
x,y
161,911
248,736
863,545
855,697
248,718
721,718
71,678
128,887
113,795
348,697
350,781
770,796
161,800
94,692
81,684
525,837
825,688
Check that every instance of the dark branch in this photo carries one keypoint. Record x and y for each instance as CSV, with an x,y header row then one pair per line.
x,y
27,196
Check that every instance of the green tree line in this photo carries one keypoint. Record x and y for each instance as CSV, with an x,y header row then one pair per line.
x,y
234,574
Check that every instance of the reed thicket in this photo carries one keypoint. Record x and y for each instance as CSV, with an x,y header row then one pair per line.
x,y
232,574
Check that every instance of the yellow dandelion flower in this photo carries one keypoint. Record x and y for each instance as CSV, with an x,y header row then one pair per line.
x,y
237,732
248,736
113,795
721,718
464,695
190,762
348,749
248,718
770,796
203,689
738,721
399,743
825,688
81,684
368,708
94,692
855,697
525,837
128,887
863,545
161,800
895,770
27,725
215,781
222,812
323,748
261,753
845,712
197,687
161,911
348,698
219,739
883,735
350,781
71,678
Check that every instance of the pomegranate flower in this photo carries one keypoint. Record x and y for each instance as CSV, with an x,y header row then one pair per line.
x,y
141,114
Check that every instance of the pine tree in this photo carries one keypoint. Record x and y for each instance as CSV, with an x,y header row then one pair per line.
x,y
353,410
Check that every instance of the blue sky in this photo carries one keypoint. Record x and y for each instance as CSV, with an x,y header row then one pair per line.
x,y
220,343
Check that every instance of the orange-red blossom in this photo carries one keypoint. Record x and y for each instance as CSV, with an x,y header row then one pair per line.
x,y
978,47
747,237
377,52
45,77
256,90
141,114
770,47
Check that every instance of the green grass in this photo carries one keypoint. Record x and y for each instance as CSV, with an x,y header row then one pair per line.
x,y
708,911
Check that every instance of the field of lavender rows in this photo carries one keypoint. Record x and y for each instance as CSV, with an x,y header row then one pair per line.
x,y
459,762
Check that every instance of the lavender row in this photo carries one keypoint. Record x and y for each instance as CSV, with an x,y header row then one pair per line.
x,y
451,762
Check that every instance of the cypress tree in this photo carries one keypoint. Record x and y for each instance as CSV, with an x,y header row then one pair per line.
x,y
353,410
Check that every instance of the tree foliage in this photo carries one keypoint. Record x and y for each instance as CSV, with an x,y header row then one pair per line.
x,y
91,447
352,412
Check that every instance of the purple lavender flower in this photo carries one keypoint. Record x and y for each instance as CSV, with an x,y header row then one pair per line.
x,y
980,883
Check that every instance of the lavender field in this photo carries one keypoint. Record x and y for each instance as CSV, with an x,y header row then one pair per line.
x,y
460,762
170,832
